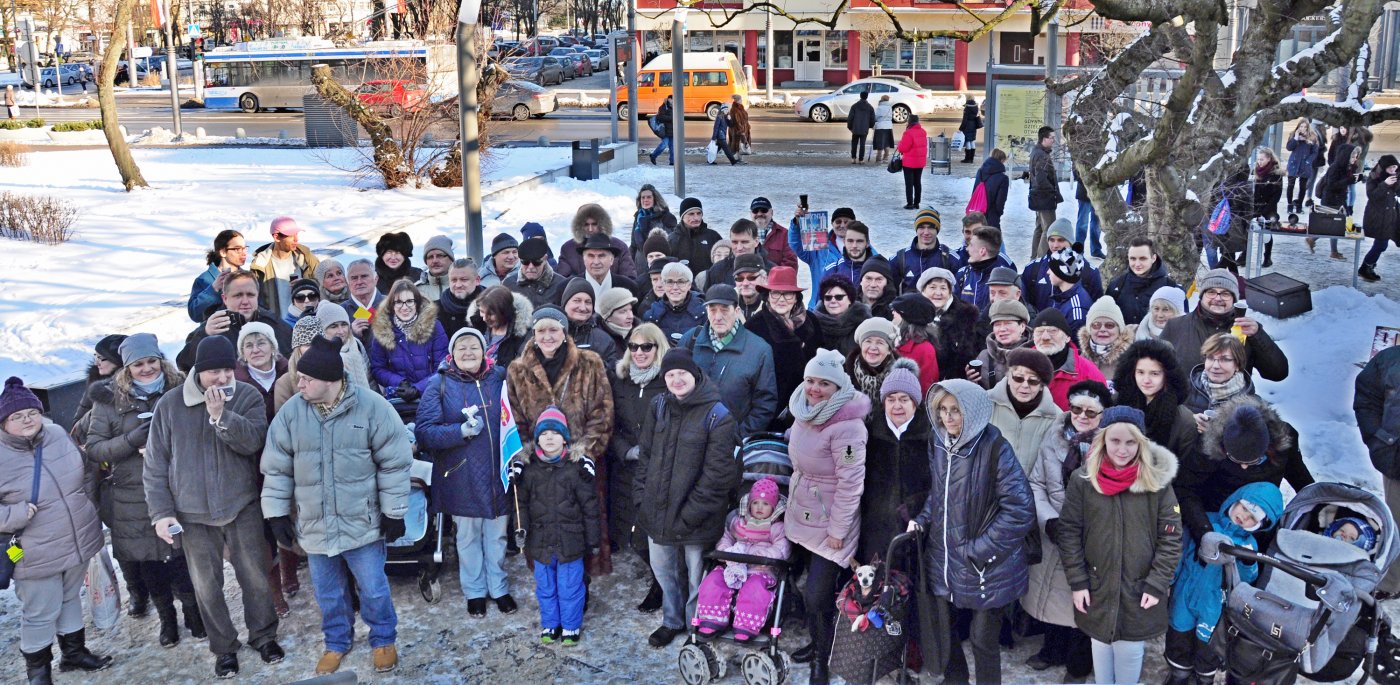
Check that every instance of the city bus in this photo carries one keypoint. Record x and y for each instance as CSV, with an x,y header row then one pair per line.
x,y
267,74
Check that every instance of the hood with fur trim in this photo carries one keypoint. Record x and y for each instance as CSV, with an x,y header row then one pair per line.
x,y
520,327
1280,438
1158,350
1109,360
590,211
420,332
1160,462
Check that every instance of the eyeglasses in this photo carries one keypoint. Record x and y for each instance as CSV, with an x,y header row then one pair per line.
x,y
24,416
641,347
1102,325
834,297
1085,411
1262,458
305,297
1033,381
674,281
745,278
760,211
1217,293
401,303
1220,360
240,248
532,262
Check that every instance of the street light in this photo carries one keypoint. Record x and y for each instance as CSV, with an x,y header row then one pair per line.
x,y
467,77
678,98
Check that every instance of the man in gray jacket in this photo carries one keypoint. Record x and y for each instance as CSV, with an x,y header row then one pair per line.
x,y
201,472
339,452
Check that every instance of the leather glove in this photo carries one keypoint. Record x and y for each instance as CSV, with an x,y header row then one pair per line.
x,y
1052,530
633,454
136,437
392,528
407,392
283,531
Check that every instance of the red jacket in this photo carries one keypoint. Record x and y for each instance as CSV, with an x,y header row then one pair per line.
x,y
924,354
776,248
913,146
1076,368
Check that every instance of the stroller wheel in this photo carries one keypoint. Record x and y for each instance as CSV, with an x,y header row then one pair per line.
x,y
430,588
760,668
698,664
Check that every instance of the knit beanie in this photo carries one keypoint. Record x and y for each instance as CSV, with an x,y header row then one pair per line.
x,y
656,242
680,359
550,312
1051,317
721,249
1246,435
1067,264
215,352
302,285
307,328
936,272
1123,414
765,490
574,287
109,348
439,242
1365,534
1105,308
613,299
1093,389
322,361
879,265
903,377
140,346
503,241
532,229
929,215
17,398
914,309
328,313
1032,359
257,328
325,266
1062,228
1256,511
553,419
843,213
1219,278
466,332
1173,296
533,249
877,327
689,204
1008,310
828,365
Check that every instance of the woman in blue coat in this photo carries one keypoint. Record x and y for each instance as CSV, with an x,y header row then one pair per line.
x,y
1304,149
458,423
407,343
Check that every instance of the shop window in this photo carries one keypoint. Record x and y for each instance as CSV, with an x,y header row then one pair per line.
x,y
836,48
783,41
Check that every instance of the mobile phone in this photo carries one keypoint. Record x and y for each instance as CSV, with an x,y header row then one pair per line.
x,y
802,200
175,530
227,390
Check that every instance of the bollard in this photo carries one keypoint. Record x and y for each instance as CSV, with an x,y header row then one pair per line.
x,y
282,134
543,141
239,133
199,132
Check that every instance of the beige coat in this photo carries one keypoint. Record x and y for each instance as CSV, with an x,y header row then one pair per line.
x,y
1025,435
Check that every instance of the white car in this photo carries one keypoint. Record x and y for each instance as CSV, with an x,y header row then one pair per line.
x,y
906,97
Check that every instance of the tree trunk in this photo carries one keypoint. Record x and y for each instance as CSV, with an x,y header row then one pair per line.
x,y
107,100
388,156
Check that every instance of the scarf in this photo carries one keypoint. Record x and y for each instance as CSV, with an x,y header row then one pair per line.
x,y
794,319
643,376
1161,415
151,388
1148,330
618,330
821,412
552,367
338,297
405,325
868,379
1078,446
1099,350
1058,359
264,378
1220,392
721,343
1114,480
1024,409
548,459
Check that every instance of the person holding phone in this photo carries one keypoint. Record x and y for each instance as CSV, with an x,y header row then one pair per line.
x,y
240,306
1382,218
229,254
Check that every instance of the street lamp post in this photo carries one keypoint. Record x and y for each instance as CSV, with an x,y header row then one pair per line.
x,y
171,68
636,54
678,99
467,105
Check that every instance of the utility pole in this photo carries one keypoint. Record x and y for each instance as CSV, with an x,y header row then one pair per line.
x,y
768,53
636,54
171,68
1052,71
612,87
467,77
678,99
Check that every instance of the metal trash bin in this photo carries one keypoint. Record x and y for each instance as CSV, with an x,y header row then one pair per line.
x,y
328,125
938,160
586,158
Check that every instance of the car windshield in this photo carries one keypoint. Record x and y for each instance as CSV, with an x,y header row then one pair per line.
x,y
523,62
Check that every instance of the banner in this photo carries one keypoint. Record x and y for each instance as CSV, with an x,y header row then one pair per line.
x,y
815,230
510,436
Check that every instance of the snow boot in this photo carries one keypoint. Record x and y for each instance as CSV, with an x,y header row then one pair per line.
x,y
76,656
652,602
169,621
1178,675
38,666
1268,254
1204,678
1368,272
136,588
193,620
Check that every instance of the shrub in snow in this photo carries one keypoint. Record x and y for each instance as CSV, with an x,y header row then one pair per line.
x,y
12,154
74,126
36,218
14,124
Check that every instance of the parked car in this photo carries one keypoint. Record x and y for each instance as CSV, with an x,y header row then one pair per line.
x,y
567,40
539,45
905,99
392,97
599,59
582,64
504,49
566,55
67,74
521,100
541,70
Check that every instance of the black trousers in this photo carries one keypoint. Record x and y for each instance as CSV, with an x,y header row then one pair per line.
x,y
159,579
984,636
824,580
1185,650
913,184
858,144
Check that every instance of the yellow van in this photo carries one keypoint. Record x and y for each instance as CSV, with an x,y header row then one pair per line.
x,y
711,80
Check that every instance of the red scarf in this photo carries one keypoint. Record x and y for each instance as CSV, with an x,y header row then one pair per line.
x,y
1114,480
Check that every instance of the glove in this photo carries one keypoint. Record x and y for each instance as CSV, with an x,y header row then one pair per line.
x,y
392,528
1052,530
136,437
633,454
520,538
1209,549
407,392
588,467
412,429
283,532
516,468
735,575
473,425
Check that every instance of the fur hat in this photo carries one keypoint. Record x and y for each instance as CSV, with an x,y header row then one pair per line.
x,y
322,361
142,346
503,241
1105,308
533,249
215,352
1067,265
1008,310
109,348
877,327
1093,389
1122,414
903,377
441,243
689,204
914,309
1246,437
613,299
828,365
397,241
765,490
936,272
1051,317
17,398
656,242
680,359
552,419
1032,359
1219,278
308,328
929,215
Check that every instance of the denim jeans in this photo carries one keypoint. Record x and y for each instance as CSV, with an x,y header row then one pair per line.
x,y
247,551
674,565
664,146
330,576
1118,662
559,589
481,551
1087,225
1373,255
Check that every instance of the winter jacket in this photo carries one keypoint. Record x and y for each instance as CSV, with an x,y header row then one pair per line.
x,y
198,472
1024,434
413,354
861,118
909,263
686,471
115,436
838,332
279,369
957,340
1074,304
1196,600
591,335
643,223
1044,193
884,116
1121,547
489,275
1187,334
65,533
1075,369
1107,362
631,405
202,295
1268,190
828,480
571,253
1048,598
337,475
719,131
692,246
1300,163
542,291
817,261
993,358
996,185
261,264
849,268
772,545
559,508
1340,175
913,146
899,466
1198,397
923,354
466,471
775,247
1382,217
1208,476
454,313
978,513
518,330
971,121
743,372
1133,293
185,359
792,349
665,114
1377,408
972,281
1039,293
677,321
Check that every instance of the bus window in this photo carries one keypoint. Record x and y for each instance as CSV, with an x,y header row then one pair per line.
x,y
666,79
647,80
711,78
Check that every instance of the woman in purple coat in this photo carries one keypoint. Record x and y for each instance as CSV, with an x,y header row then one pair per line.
x,y
407,343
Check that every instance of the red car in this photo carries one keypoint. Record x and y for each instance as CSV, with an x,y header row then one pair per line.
x,y
392,98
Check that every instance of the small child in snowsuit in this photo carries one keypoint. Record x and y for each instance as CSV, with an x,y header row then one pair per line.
x,y
559,514
1353,530
755,528
1197,599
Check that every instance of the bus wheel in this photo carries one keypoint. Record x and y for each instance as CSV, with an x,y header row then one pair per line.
x,y
248,102
712,111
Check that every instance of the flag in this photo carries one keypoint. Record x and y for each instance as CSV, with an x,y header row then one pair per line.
x,y
158,13
510,436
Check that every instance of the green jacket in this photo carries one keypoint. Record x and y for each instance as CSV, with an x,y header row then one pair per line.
x,y
342,472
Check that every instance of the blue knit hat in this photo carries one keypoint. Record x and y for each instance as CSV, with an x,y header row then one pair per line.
x,y
1365,534
552,419
1123,414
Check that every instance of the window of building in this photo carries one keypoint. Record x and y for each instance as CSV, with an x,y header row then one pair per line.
x,y
836,49
935,54
783,41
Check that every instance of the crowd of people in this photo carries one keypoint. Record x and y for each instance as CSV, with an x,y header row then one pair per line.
x,y
1038,426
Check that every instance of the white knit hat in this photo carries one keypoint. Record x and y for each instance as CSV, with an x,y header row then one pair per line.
x,y
1173,296
879,327
1105,308
828,365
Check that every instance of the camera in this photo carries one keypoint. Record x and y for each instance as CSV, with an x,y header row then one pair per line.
x,y
235,320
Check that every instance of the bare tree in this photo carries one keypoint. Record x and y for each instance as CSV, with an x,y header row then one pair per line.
x,y
107,101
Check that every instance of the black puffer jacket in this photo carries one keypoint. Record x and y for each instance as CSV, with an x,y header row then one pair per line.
x,y
558,508
686,468
957,338
1377,407
631,403
900,466
590,335
1382,219
979,509
1133,293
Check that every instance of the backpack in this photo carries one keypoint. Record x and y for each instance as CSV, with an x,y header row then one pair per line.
x,y
717,412
978,203
655,123
1220,218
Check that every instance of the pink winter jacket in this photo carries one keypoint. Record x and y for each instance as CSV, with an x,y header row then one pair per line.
x,y
913,146
828,479
774,545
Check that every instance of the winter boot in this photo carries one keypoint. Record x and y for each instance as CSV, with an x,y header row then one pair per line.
x,y
1203,678
967,155
1177,675
76,656
169,621
39,666
652,602
136,588
193,620
1368,272
1268,254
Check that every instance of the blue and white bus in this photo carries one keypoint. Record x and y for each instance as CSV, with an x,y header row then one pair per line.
x,y
266,74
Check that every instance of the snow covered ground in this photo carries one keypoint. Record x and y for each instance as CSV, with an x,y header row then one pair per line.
x,y
135,254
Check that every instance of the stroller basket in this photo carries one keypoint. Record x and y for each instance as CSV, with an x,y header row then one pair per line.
x,y
861,651
765,455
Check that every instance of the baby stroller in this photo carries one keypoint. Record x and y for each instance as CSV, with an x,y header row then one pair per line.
x,y
764,455
870,622
421,546
1311,610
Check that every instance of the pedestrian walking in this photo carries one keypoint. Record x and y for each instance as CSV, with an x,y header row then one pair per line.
x,y
859,121
740,133
719,135
971,121
1382,218
883,143
661,126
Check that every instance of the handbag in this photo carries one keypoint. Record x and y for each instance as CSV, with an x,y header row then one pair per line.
x,y
13,551
978,203
655,123
896,163
1220,219
1324,220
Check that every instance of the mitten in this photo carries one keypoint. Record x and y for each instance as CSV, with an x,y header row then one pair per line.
x,y
735,575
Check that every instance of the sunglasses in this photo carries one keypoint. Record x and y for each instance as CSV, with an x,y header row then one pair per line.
x,y
305,297
1084,411
532,262
745,278
834,297
641,347
1033,381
